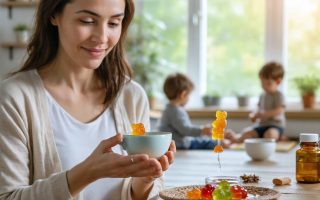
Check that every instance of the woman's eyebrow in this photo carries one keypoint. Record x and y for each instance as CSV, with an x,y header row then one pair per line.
x,y
97,15
88,12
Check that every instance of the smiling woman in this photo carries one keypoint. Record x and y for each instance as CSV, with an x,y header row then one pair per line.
x,y
64,112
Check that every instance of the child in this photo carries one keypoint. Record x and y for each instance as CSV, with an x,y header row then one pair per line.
x,y
175,119
270,117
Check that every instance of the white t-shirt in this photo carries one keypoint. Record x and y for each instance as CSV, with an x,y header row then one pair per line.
x,y
76,140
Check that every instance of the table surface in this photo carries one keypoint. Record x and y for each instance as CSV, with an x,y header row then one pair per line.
x,y
193,166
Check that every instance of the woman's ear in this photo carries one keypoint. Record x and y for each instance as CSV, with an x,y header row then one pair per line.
x,y
53,20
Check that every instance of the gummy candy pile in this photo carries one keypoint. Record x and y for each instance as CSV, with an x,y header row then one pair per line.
x,y
218,129
223,191
138,129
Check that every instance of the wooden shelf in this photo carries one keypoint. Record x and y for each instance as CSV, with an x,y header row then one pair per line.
x,y
17,4
243,113
11,46
291,113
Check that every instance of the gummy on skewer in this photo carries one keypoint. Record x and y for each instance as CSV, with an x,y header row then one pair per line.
x,y
218,127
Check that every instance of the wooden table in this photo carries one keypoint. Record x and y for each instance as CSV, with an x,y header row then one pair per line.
x,y
192,167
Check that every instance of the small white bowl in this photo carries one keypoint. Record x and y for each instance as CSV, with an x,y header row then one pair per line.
x,y
155,144
260,148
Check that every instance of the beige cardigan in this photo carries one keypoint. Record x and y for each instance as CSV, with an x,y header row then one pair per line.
x,y
29,164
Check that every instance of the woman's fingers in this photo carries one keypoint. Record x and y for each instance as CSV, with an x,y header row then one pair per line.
x,y
164,162
141,168
170,156
172,146
128,160
106,145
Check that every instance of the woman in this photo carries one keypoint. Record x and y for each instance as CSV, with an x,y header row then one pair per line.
x,y
73,91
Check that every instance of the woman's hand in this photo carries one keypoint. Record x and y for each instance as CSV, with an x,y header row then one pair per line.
x,y
141,186
103,162
168,158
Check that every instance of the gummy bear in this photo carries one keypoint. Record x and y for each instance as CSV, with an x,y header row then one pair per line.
x,y
236,192
138,129
206,192
218,149
194,194
222,192
218,129
221,114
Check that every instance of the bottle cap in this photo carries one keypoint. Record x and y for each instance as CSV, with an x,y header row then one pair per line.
x,y
309,137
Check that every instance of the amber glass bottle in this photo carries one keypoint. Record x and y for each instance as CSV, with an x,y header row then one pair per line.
x,y
308,159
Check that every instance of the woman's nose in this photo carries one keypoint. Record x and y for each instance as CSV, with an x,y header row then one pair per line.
x,y
101,34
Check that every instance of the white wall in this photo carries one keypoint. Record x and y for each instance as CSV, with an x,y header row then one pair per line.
x,y
19,15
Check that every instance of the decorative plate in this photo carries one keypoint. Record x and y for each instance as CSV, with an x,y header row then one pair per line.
x,y
256,193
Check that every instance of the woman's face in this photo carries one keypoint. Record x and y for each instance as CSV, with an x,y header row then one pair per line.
x,y
88,30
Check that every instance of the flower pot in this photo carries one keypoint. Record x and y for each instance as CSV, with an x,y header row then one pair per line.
x,y
22,37
309,100
243,101
211,101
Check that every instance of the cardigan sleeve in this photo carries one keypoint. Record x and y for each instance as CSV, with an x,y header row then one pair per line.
x,y
16,157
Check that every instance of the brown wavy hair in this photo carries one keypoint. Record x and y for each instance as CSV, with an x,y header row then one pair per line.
x,y
114,70
272,70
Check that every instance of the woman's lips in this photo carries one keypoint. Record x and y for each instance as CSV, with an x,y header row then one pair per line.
x,y
95,52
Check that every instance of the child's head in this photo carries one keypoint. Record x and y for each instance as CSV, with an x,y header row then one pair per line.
x,y
271,75
177,87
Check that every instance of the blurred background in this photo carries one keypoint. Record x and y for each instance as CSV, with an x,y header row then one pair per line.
x,y
219,44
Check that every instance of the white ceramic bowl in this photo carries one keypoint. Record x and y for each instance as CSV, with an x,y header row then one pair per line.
x,y
155,144
260,148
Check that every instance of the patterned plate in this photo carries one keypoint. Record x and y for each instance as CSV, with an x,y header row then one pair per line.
x,y
256,193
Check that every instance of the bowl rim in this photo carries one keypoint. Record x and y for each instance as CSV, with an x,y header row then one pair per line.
x,y
154,134
259,140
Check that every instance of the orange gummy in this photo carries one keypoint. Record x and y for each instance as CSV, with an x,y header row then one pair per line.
x,y
218,149
218,137
138,129
194,194
219,123
221,114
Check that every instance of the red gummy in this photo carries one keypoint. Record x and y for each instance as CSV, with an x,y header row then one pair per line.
x,y
206,192
239,192
236,192
244,193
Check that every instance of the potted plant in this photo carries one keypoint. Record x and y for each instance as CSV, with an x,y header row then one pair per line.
x,y
143,46
211,99
308,86
22,33
243,100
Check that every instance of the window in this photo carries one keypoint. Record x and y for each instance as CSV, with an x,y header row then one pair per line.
x,y
240,37
157,42
174,15
303,38
235,46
